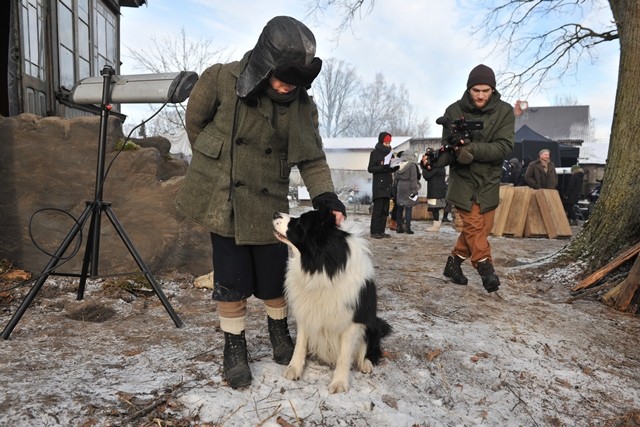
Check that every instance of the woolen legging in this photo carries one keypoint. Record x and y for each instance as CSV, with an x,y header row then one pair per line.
x,y
473,241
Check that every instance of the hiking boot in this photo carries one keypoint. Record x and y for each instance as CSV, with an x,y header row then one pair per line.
x,y
409,231
280,340
400,228
453,271
236,366
490,280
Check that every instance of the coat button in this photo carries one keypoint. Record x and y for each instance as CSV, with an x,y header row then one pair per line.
x,y
239,141
239,184
265,191
268,151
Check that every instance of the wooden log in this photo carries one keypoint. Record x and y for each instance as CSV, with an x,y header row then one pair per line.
x,y
594,277
625,296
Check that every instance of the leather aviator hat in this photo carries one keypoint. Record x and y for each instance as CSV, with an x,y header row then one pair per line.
x,y
286,48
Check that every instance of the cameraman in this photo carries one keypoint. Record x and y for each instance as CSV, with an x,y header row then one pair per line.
x,y
474,172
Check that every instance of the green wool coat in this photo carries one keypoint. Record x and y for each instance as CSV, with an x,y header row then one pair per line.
x,y
242,156
479,181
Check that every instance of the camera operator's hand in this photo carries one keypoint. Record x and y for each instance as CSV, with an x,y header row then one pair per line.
x,y
465,154
426,162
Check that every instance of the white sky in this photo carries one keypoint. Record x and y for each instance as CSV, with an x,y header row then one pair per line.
x,y
425,45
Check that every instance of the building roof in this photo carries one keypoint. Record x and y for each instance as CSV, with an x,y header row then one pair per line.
x,y
525,133
593,153
360,143
558,123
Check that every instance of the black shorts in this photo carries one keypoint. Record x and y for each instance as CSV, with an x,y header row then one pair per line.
x,y
242,271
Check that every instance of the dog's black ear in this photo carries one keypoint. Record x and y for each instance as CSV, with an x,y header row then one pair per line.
x,y
328,216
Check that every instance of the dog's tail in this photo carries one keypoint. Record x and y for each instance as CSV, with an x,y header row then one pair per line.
x,y
374,334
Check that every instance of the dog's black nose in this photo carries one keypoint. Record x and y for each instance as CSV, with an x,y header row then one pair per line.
x,y
277,215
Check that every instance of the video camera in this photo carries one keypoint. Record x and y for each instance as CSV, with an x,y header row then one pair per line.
x,y
460,130
460,134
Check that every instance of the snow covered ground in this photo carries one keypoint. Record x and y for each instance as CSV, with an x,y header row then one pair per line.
x,y
458,356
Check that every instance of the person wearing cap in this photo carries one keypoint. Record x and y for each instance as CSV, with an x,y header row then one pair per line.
x,y
572,193
474,173
249,122
380,166
541,173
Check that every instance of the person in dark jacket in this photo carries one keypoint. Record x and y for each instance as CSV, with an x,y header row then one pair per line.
x,y
541,173
436,177
474,173
520,182
406,184
382,164
249,122
572,194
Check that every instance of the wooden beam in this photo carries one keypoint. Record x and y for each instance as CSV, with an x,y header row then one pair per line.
x,y
594,277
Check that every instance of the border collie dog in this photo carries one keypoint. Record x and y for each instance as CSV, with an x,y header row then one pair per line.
x,y
332,295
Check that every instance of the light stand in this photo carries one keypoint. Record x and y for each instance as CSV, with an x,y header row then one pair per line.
x,y
95,208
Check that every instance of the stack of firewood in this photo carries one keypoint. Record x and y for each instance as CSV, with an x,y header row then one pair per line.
x,y
621,293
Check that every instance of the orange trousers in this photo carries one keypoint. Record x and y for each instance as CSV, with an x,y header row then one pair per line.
x,y
473,241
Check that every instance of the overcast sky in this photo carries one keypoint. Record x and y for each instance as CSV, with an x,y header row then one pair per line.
x,y
425,45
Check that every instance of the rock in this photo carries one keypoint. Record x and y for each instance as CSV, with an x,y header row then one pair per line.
x,y
48,168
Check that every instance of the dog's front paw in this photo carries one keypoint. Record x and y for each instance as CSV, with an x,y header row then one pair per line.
x,y
366,367
338,386
293,372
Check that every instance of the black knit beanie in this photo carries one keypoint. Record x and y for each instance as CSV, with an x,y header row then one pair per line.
x,y
481,75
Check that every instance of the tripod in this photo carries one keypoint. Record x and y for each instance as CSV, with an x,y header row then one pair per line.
x,y
94,208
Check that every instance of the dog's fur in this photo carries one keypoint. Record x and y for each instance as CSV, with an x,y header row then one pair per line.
x,y
332,296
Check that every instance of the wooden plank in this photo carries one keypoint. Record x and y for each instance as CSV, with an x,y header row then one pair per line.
x,y
558,214
518,213
547,215
502,211
535,225
594,277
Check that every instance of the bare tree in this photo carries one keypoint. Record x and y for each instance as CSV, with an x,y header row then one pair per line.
x,y
565,100
552,53
382,107
334,88
172,54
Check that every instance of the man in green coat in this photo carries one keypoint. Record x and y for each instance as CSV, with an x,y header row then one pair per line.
x,y
249,122
475,171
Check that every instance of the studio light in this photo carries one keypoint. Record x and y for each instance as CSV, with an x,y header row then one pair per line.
x,y
137,88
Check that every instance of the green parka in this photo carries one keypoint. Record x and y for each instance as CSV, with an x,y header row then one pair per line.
x,y
479,181
242,156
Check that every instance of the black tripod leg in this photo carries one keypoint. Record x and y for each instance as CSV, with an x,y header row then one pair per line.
x,y
92,242
142,265
45,273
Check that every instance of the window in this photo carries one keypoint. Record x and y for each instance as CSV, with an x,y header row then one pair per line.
x,y
33,38
87,39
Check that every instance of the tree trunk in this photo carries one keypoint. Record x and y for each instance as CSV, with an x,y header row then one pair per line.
x,y
615,222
